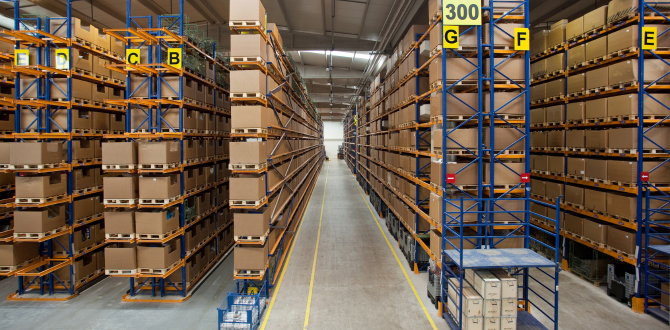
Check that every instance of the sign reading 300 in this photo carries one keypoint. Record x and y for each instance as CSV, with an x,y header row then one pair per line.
x,y
461,12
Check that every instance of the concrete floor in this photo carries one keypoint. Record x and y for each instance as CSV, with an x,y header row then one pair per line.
x,y
358,284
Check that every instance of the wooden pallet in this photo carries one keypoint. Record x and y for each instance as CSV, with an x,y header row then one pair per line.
x,y
247,95
159,166
39,200
157,236
248,273
157,271
128,237
119,202
158,201
39,235
36,167
4,269
247,167
84,190
120,271
575,206
119,167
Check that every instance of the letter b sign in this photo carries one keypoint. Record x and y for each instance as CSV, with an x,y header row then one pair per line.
x,y
174,57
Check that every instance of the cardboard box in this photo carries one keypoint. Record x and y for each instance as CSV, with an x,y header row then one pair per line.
x,y
170,122
627,105
504,174
537,116
119,153
574,112
555,63
595,109
83,150
139,86
538,92
626,171
574,224
537,187
78,30
122,187
39,220
626,138
596,49
575,139
81,119
248,187
596,139
251,257
576,166
38,153
245,11
13,254
556,88
82,237
597,78
621,239
159,187
122,222
120,258
84,208
575,28
595,19
249,81
574,195
626,71
161,152
456,139
253,117
157,222
7,118
82,268
117,122
42,186
83,178
81,90
595,200
504,138
160,257
596,168
576,84
538,139
595,231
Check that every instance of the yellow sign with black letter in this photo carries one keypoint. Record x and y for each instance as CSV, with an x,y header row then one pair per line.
x,y
63,59
174,58
461,12
450,36
649,38
132,56
21,57
521,39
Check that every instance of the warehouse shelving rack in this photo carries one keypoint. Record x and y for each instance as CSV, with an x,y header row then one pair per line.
x,y
653,201
38,281
140,34
455,259
279,68
646,297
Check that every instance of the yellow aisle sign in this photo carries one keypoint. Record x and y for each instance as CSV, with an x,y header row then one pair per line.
x,y
63,59
649,38
21,57
450,37
461,12
132,56
521,39
174,58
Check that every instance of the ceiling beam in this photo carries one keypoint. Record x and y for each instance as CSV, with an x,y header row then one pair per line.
x,y
311,41
282,8
365,13
60,9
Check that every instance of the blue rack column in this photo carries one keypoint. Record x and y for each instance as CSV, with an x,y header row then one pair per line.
x,y
653,202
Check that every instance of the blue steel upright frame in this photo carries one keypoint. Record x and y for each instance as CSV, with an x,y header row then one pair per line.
x,y
454,258
43,108
653,201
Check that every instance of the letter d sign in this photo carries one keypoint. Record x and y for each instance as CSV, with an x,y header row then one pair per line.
x,y
174,58
63,59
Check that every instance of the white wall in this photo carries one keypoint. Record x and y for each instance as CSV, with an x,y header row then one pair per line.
x,y
333,136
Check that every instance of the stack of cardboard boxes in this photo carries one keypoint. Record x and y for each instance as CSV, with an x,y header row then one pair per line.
x,y
266,164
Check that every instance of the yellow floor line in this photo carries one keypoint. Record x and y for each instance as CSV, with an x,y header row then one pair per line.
x,y
316,252
398,260
288,259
